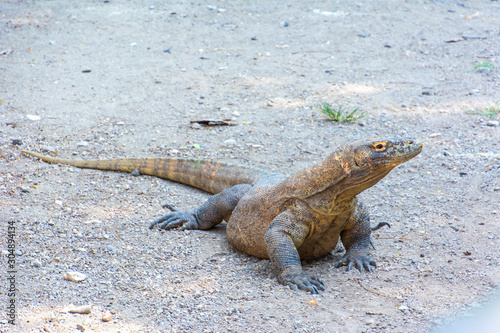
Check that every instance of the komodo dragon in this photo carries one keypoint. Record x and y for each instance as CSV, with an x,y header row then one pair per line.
x,y
270,215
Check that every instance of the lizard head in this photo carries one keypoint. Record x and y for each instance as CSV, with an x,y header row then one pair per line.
x,y
355,167
381,156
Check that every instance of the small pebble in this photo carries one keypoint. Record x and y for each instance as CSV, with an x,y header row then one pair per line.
x,y
36,263
493,123
24,189
17,142
195,126
110,248
483,70
83,309
433,135
49,149
33,117
107,316
230,143
74,276
313,302
80,327
82,144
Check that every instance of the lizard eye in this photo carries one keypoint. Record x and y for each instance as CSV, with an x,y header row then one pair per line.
x,y
379,146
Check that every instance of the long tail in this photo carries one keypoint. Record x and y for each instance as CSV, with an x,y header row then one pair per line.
x,y
212,177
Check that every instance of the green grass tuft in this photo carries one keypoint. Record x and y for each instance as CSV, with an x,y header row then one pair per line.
x,y
341,115
484,64
491,112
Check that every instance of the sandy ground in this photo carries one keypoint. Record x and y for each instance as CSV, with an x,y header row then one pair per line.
x,y
109,79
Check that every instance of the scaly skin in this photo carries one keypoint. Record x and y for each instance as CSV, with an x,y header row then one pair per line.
x,y
284,219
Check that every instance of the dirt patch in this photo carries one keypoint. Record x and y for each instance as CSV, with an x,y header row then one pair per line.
x,y
99,79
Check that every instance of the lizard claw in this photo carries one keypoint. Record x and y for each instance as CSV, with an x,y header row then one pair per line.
x,y
182,219
302,281
172,208
380,225
362,263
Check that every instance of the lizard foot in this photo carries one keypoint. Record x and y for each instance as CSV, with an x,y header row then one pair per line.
x,y
176,218
299,280
361,262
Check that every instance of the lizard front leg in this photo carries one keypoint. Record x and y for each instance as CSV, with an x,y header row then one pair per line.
x,y
356,240
217,208
283,236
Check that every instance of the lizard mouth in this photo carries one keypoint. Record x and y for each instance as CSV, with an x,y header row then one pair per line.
x,y
357,163
401,155
413,150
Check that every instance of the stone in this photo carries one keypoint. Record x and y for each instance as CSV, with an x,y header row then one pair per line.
x,y
230,143
107,316
82,309
74,276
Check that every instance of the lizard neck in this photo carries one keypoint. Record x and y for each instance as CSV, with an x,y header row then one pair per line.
x,y
330,186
